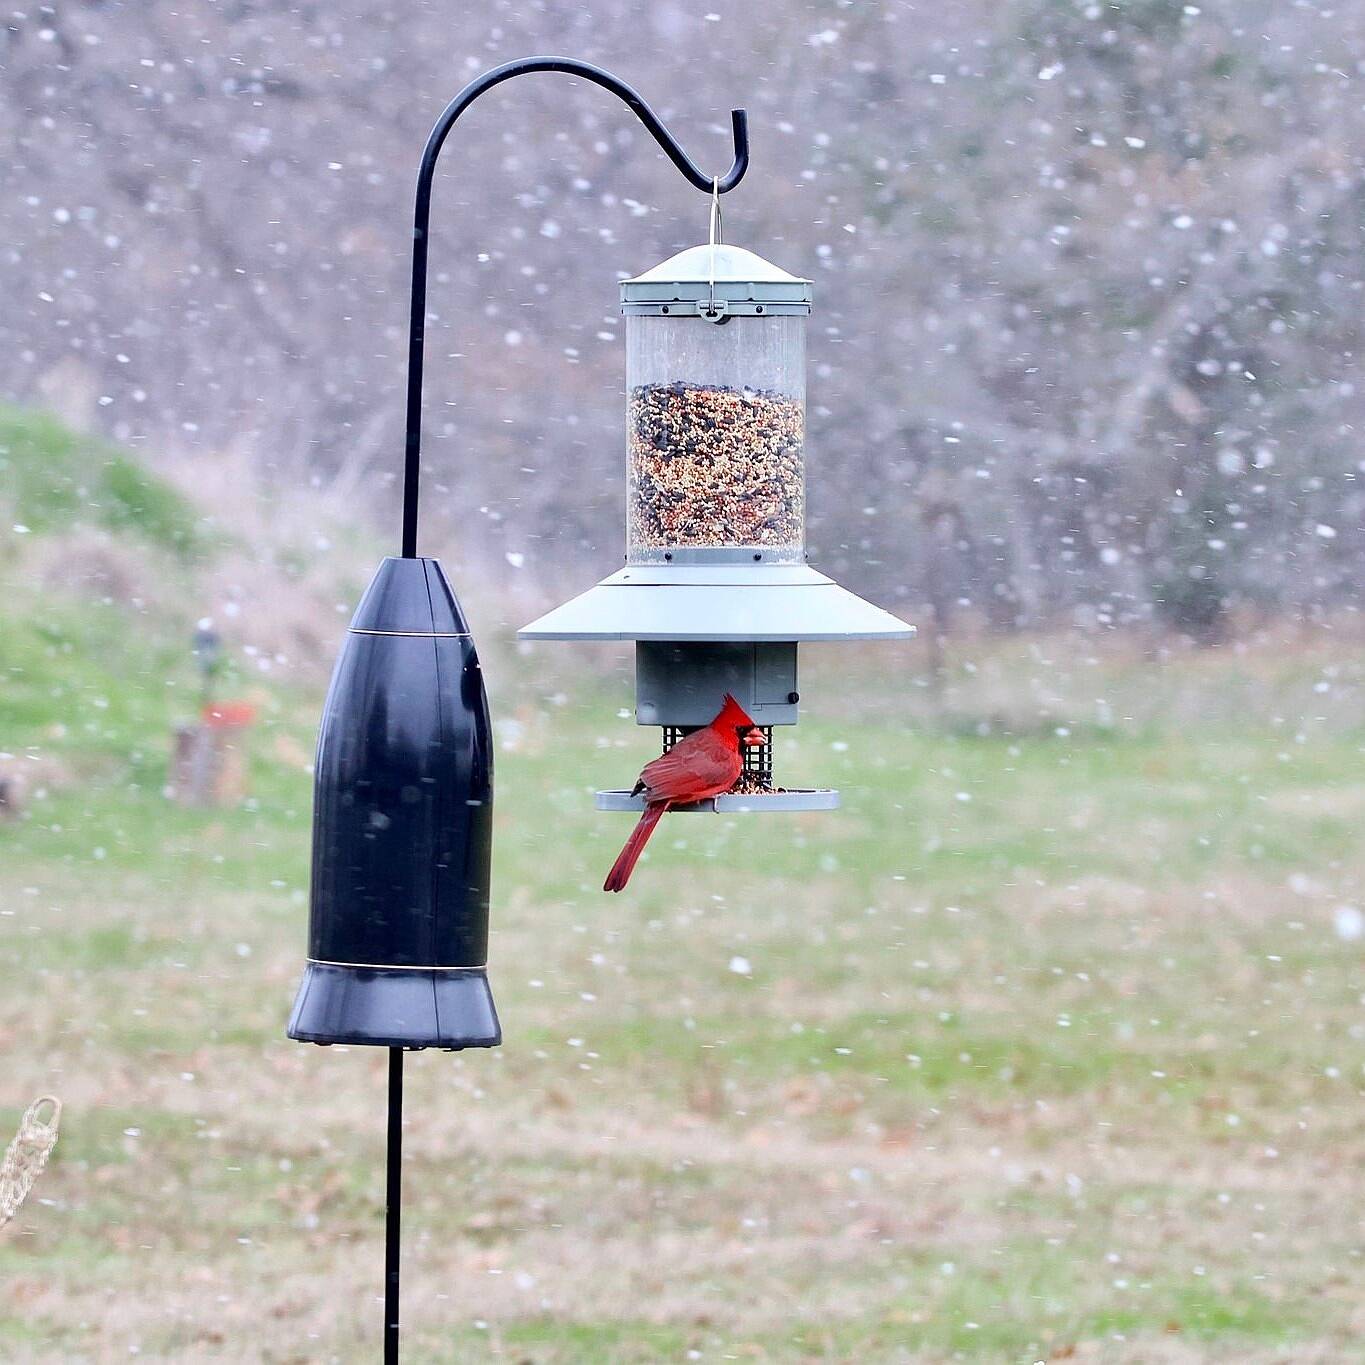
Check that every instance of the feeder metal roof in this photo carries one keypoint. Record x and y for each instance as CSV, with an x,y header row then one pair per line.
x,y
717,602
724,272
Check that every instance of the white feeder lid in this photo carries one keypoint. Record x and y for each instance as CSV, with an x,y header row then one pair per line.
x,y
717,602
740,277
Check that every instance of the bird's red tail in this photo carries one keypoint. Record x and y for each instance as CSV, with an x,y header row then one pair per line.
x,y
635,845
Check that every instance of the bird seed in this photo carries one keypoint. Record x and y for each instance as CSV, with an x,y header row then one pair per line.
x,y
714,466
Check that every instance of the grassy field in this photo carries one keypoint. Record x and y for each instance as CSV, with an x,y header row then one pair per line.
x,y
1048,1046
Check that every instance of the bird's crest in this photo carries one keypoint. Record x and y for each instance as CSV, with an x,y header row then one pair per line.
x,y
732,713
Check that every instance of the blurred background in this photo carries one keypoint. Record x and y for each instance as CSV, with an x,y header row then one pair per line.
x,y
1049,1045
1088,275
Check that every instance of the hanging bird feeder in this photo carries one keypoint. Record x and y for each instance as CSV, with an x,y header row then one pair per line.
x,y
716,591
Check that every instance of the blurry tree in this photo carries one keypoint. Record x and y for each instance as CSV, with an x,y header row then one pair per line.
x,y
1088,274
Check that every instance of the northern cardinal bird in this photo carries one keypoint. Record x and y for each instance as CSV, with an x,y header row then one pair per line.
x,y
704,763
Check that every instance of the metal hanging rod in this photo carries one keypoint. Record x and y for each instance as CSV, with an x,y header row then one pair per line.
x,y
739,121
711,185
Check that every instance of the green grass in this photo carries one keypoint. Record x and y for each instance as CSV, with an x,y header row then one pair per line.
x,y
52,479
1046,1040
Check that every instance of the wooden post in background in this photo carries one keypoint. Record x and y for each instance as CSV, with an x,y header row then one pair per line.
x,y
208,766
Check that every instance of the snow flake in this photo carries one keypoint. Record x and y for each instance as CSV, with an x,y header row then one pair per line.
x,y
1349,923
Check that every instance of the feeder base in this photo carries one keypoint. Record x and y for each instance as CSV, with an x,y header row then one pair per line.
x,y
820,798
448,1007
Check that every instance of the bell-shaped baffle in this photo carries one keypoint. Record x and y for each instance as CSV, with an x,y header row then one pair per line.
x,y
402,828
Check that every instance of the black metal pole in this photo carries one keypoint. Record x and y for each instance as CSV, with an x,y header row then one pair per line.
x,y
421,223
393,1207
412,470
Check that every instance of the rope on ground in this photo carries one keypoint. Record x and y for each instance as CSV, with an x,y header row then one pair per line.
x,y
27,1154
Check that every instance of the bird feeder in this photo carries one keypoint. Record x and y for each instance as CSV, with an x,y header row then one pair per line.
x,y
716,591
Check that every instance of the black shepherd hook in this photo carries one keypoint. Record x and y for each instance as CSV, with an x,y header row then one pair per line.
x,y
739,120
412,469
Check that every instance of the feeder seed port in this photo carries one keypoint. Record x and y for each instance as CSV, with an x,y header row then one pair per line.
x,y
753,792
731,803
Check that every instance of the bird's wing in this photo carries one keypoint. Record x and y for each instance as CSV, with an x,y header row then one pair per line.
x,y
698,766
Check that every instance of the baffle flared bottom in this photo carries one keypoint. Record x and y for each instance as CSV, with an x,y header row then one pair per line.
x,y
448,1007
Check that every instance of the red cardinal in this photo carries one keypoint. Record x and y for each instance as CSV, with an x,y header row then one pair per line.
x,y
704,763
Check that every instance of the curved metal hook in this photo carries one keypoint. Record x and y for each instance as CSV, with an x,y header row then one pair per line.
x,y
739,121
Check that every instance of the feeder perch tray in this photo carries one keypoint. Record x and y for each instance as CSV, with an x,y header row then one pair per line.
x,y
815,798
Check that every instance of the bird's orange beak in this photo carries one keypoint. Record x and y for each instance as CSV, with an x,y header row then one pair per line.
x,y
752,739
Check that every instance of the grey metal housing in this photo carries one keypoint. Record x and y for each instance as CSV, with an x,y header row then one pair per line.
x,y
678,684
